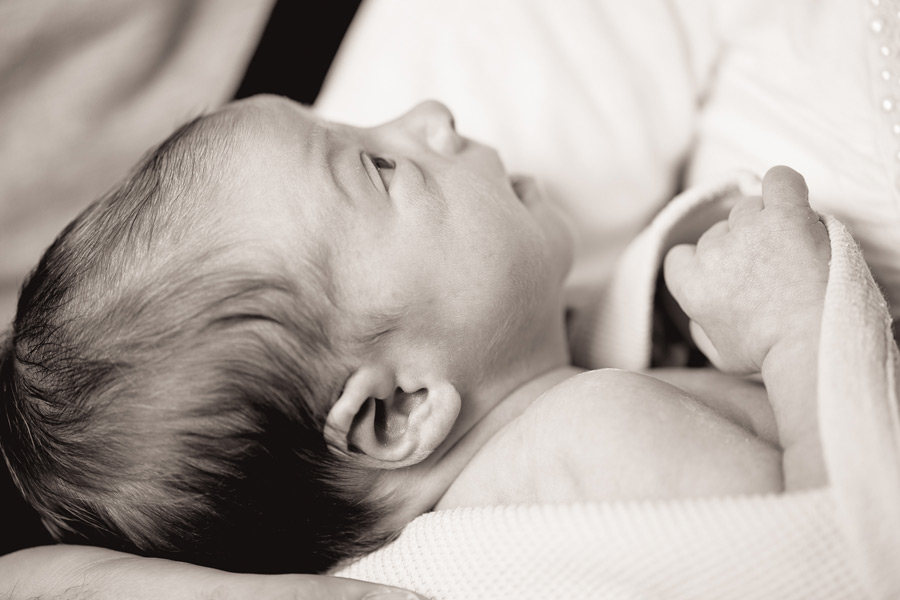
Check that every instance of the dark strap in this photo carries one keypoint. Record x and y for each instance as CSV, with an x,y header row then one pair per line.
x,y
296,49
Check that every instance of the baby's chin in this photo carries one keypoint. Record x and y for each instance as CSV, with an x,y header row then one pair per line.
x,y
560,229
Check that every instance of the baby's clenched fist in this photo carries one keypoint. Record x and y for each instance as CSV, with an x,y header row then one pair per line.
x,y
756,279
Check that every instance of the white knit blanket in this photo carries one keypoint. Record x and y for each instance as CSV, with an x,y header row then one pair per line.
x,y
839,542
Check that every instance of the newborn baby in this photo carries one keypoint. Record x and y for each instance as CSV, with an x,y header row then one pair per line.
x,y
281,339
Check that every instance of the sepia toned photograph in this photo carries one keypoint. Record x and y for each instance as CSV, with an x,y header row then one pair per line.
x,y
450,299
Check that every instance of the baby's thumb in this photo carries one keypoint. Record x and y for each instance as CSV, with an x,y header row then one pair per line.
x,y
784,185
677,267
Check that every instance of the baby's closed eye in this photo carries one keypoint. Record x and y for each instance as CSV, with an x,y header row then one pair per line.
x,y
385,168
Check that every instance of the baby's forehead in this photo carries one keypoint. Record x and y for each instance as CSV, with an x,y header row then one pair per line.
x,y
261,112
187,176
252,173
224,145
222,129
263,130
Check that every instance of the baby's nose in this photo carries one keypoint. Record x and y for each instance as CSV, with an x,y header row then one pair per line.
x,y
434,121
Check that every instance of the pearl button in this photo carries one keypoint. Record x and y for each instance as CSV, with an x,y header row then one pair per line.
x,y
885,39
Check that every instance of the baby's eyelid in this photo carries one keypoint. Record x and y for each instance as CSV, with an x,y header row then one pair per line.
x,y
381,165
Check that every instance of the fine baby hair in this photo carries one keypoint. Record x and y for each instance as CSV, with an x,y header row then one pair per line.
x,y
160,398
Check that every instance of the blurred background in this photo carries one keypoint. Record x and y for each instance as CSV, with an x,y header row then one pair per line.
x,y
87,86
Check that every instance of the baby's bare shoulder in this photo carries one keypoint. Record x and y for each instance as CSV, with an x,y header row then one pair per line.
x,y
613,434
618,435
531,459
602,394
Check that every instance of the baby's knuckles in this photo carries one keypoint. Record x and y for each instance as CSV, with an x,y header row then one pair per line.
x,y
763,280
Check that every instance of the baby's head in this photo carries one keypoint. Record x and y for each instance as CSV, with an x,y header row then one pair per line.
x,y
252,352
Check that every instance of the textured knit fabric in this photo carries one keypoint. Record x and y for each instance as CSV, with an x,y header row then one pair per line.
x,y
839,542
768,547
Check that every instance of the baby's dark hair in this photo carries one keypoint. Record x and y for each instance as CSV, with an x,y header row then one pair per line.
x,y
160,400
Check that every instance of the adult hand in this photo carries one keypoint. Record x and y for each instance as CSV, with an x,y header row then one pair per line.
x,y
755,279
62,572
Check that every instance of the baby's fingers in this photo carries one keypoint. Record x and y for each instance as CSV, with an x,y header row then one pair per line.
x,y
746,207
678,268
783,185
716,231
705,345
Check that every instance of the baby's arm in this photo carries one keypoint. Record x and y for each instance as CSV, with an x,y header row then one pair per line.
x,y
753,287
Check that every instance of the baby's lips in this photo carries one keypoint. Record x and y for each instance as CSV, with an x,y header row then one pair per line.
x,y
527,188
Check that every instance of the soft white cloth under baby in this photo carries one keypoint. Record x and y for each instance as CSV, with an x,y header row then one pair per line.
x,y
840,542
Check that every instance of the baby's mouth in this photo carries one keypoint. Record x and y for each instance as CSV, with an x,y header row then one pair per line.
x,y
518,185
524,187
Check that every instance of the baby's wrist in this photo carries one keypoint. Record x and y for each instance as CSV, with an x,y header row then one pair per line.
x,y
796,332
790,346
790,374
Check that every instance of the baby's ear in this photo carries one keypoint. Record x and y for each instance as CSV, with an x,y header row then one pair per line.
x,y
384,426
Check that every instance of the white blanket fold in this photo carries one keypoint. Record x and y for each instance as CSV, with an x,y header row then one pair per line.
x,y
839,542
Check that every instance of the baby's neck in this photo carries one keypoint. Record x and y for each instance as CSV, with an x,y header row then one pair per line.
x,y
491,399
433,480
